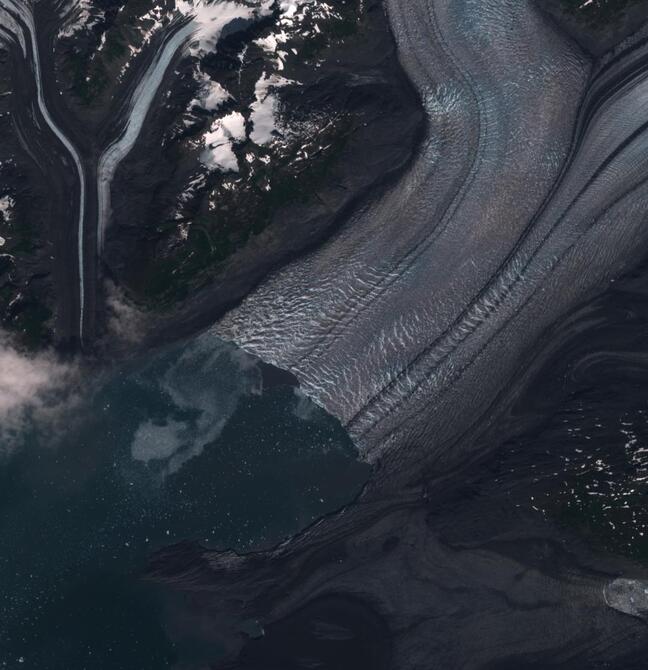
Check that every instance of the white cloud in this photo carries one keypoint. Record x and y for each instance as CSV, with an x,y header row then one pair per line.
x,y
35,391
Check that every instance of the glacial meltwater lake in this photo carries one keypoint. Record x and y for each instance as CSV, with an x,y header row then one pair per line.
x,y
188,444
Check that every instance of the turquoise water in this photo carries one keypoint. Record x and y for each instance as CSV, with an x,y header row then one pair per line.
x,y
185,445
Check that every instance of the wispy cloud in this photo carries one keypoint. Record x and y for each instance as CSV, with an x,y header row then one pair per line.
x,y
126,322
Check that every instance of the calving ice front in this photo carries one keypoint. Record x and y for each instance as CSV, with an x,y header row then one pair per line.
x,y
393,326
420,322
405,249
183,442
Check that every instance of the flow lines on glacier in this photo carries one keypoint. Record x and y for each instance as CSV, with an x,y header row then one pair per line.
x,y
409,258
21,12
545,241
139,106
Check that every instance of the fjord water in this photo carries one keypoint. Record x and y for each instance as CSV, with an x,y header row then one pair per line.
x,y
189,444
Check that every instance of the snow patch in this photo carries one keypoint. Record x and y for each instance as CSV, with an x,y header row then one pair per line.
x,y
219,142
294,12
149,25
7,204
211,95
210,19
78,16
265,109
